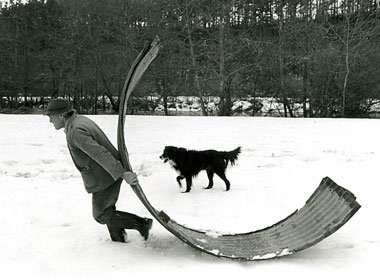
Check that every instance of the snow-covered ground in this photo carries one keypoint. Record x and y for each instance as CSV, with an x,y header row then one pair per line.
x,y
47,230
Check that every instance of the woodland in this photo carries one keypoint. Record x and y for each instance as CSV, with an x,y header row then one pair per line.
x,y
323,54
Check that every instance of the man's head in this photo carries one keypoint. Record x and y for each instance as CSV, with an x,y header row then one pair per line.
x,y
57,110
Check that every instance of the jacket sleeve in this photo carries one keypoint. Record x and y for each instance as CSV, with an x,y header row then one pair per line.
x,y
83,140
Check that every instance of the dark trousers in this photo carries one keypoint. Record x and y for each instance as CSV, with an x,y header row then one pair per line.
x,y
103,202
104,212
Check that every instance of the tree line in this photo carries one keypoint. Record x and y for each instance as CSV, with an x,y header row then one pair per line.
x,y
323,54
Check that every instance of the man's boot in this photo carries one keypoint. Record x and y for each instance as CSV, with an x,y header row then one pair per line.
x,y
147,225
117,234
124,220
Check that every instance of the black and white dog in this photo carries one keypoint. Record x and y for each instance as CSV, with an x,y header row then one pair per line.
x,y
189,163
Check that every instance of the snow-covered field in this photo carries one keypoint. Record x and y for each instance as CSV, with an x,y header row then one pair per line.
x,y
47,230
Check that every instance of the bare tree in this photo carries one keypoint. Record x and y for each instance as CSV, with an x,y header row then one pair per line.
x,y
352,35
188,22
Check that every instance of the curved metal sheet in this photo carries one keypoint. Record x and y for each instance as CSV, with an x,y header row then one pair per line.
x,y
328,208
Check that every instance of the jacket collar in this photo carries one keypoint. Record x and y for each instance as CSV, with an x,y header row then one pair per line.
x,y
69,121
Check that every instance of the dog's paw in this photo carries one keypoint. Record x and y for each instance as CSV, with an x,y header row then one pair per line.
x,y
179,178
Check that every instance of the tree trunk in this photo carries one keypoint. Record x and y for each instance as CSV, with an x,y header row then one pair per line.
x,y
160,87
347,65
281,58
225,108
194,64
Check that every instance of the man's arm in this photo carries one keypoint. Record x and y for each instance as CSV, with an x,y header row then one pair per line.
x,y
102,156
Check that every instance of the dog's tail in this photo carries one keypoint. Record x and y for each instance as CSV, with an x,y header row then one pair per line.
x,y
232,156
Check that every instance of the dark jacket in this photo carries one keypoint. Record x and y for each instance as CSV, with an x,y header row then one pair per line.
x,y
93,154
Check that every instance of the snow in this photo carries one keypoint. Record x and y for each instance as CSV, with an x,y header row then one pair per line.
x,y
47,229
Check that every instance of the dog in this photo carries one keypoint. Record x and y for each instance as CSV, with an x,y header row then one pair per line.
x,y
188,163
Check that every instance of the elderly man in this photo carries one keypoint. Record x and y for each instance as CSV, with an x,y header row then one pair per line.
x,y
98,161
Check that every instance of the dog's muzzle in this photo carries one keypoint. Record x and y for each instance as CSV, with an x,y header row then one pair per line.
x,y
164,159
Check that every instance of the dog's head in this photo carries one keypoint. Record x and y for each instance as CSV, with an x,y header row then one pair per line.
x,y
169,153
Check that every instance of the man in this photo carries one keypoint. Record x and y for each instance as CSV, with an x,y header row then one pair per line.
x,y
98,161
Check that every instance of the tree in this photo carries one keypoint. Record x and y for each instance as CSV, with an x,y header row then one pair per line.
x,y
191,20
358,26
226,50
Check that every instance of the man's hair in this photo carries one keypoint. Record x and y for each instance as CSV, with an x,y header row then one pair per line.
x,y
69,113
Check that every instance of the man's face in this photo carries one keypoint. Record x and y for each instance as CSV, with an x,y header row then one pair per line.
x,y
58,121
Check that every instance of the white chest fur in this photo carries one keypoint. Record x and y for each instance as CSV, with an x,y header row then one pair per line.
x,y
174,165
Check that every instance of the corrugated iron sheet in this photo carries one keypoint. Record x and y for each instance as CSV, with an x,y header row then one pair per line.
x,y
329,207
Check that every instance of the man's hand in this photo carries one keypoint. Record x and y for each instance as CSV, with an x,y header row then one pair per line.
x,y
130,178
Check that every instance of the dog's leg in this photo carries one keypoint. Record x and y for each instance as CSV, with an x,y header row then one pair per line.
x,y
179,178
224,178
210,175
188,183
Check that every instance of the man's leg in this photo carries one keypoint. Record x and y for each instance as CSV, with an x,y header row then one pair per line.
x,y
104,212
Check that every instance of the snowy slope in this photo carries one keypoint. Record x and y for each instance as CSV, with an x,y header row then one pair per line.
x,y
47,229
